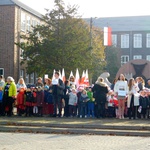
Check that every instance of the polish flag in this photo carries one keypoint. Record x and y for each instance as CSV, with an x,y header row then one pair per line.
x,y
77,78
71,74
53,77
60,76
107,36
86,81
63,75
83,77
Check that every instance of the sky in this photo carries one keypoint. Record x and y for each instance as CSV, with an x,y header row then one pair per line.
x,y
97,8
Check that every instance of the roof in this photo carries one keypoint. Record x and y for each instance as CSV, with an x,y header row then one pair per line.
x,y
132,23
20,4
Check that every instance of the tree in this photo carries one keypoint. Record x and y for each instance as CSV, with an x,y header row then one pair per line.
x,y
62,41
113,61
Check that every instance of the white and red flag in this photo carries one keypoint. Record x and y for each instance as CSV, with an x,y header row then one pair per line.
x,y
63,75
53,77
83,77
86,81
71,74
77,78
107,36
60,76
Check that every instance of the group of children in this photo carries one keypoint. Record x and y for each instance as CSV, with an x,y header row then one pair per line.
x,y
32,101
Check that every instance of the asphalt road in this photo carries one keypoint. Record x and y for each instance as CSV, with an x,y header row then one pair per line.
x,y
27,141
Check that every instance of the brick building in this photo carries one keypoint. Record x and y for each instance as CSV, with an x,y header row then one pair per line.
x,y
15,19
130,34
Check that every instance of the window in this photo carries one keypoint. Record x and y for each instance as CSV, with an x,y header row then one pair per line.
x,y
32,78
27,78
34,23
124,59
114,40
2,71
21,53
137,57
28,23
148,57
21,50
137,40
125,41
148,40
23,22
22,73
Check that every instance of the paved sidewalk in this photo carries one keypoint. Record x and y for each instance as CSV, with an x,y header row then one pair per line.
x,y
76,121
91,126
28,141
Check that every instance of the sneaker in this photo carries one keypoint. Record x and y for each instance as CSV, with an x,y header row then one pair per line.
x,y
120,117
85,116
80,116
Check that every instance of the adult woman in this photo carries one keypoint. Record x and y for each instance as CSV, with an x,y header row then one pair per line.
x,y
133,99
48,107
10,92
100,91
141,83
121,90
21,87
66,98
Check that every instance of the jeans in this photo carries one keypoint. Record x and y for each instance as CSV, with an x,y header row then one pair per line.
x,y
90,109
57,104
83,109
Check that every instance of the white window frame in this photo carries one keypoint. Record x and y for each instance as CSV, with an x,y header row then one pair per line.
x,y
22,73
124,59
21,53
28,23
148,57
2,69
137,40
125,41
148,40
32,78
27,78
23,22
137,57
114,40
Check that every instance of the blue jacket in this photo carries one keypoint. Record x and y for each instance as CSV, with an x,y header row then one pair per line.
x,y
1,96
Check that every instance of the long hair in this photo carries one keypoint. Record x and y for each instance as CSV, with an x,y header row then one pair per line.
x,y
122,76
130,83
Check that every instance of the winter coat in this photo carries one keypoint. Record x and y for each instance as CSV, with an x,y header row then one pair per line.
x,y
144,101
59,89
40,98
12,89
134,91
72,99
100,93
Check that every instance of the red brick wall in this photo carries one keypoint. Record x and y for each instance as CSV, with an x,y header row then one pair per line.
x,y
7,14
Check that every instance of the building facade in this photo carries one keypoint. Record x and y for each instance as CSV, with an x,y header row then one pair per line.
x,y
129,34
15,19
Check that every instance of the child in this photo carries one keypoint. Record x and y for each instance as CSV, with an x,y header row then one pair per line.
x,y
21,87
29,100
148,110
72,103
111,104
1,97
40,100
34,104
90,103
144,103
83,104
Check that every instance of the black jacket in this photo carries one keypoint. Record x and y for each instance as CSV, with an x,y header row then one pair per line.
x,y
59,90
100,93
